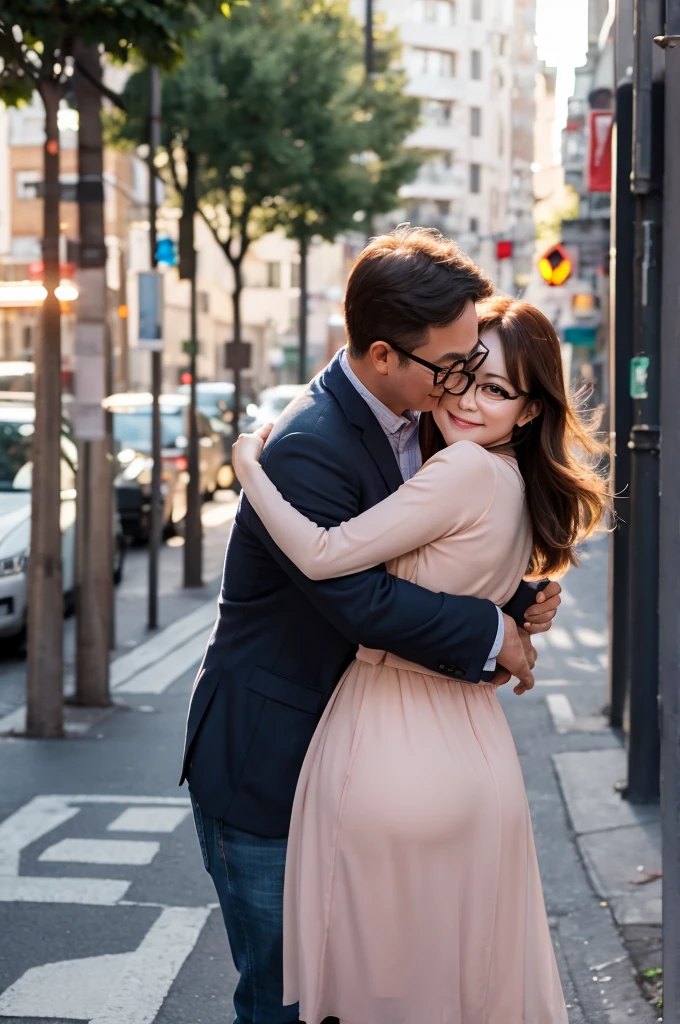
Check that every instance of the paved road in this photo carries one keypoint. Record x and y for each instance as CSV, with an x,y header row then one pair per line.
x,y
99,823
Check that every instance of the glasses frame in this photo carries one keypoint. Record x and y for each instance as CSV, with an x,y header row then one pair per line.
x,y
458,366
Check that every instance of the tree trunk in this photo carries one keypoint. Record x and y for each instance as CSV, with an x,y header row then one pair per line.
x,y
303,375
94,593
193,537
236,298
44,676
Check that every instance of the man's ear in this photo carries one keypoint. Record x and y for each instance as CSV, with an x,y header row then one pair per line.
x,y
531,411
378,354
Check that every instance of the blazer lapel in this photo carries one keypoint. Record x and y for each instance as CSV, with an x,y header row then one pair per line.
x,y
359,414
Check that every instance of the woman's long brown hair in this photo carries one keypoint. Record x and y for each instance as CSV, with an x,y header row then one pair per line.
x,y
557,452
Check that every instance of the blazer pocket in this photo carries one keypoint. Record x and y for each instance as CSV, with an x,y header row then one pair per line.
x,y
285,691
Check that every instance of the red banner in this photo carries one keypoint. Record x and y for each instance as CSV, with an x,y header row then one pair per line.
x,y
600,124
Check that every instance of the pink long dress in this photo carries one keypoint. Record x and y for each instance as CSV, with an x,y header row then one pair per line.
x,y
412,892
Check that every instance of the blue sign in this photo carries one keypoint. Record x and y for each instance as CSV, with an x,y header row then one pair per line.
x,y
585,337
165,251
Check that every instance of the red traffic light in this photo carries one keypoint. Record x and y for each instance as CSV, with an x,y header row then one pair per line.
x,y
185,378
554,265
504,249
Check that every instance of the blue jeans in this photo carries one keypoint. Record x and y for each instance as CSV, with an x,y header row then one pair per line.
x,y
248,874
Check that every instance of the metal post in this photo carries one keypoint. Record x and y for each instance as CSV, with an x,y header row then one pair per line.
x,y
193,539
304,290
369,37
156,517
646,184
621,350
669,577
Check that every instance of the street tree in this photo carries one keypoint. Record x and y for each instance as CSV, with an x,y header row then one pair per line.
x,y
37,54
286,128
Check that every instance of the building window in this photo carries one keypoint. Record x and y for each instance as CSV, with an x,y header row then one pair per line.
x,y
474,225
476,64
476,122
438,12
25,184
295,275
436,112
433,63
475,178
477,13
443,207
273,275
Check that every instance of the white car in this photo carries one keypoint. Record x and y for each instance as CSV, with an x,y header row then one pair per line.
x,y
272,403
16,471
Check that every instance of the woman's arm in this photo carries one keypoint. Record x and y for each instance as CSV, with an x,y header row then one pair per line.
x,y
447,495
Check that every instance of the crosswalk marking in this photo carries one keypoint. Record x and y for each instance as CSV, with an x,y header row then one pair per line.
x,y
149,819
147,655
134,852
561,711
86,892
119,988
163,673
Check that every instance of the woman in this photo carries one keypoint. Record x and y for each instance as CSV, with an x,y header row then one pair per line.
x,y
412,888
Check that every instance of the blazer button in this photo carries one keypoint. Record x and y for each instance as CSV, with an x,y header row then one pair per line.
x,y
459,673
442,668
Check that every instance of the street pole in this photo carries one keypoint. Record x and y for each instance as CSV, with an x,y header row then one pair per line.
x,y
44,672
193,536
304,288
369,56
94,520
621,351
156,517
646,184
669,561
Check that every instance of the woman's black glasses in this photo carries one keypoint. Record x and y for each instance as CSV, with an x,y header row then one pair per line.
x,y
456,378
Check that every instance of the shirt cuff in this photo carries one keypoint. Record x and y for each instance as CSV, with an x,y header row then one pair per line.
x,y
498,643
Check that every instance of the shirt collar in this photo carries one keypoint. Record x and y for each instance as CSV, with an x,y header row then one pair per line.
x,y
390,421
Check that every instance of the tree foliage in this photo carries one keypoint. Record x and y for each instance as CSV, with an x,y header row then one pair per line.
x,y
287,128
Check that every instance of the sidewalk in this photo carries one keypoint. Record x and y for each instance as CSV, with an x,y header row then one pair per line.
x,y
113,920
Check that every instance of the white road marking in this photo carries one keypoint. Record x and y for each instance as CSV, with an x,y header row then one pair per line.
x,y
164,672
135,852
558,637
147,654
592,637
42,815
554,682
15,721
90,892
562,712
120,988
603,659
149,819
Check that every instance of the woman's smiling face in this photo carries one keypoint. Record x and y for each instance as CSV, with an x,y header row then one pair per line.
x,y
478,415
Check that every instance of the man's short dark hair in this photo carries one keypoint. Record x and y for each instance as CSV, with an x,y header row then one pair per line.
x,y
404,283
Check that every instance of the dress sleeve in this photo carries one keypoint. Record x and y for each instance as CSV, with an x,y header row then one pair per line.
x,y
450,493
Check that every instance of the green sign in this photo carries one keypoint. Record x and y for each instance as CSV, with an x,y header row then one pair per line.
x,y
190,348
584,337
639,371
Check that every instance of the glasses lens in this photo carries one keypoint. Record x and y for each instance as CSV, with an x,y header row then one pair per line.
x,y
456,382
475,359
493,393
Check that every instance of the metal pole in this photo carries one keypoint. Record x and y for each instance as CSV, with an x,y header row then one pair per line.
x,y
646,184
156,517
369,37
669,577
621,350
193,539
302,365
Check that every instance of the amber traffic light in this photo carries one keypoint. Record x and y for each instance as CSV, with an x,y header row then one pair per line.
x,y
554,265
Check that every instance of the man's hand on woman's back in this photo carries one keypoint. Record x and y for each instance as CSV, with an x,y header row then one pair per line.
x,y
538,618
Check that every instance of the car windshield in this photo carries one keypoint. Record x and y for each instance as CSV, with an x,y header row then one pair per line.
x,y
133,429
15,455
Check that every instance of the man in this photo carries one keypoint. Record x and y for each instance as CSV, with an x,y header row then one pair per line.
x,y
281,641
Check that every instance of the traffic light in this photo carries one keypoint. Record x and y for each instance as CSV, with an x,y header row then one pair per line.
x,y
554,265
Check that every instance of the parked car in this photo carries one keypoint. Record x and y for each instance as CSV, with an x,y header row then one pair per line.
x,y
272,403
132,437
16,476
215,400
16,376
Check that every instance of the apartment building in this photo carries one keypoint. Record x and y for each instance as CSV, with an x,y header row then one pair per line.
x,y
472,64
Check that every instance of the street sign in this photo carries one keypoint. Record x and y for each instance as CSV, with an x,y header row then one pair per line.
x,y
554,265
190,348
150,336
165,251
600,123
237,355
580,336
639,371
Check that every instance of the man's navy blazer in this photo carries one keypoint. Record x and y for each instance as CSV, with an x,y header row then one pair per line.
x,y
281,641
